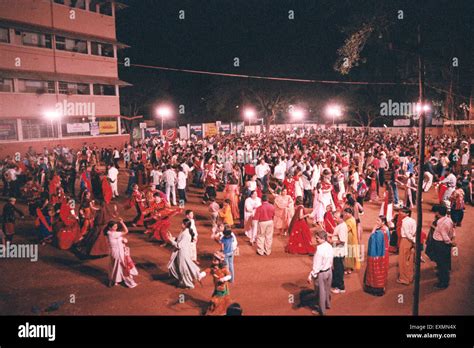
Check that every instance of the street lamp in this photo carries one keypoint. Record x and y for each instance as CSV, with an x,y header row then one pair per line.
x,y
249,114
425,108
297,114
334,111
164,111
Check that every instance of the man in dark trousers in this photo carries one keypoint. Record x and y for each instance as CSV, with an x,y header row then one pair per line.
x,y
443,241
9,218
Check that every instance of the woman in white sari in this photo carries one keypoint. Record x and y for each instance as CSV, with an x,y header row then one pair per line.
x,y
284,211
122,268
181,266
319,208
250,226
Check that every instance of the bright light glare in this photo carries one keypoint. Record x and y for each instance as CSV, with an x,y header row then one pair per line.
x,y
52,115
426,108
164,111
249,113
297,114
334,110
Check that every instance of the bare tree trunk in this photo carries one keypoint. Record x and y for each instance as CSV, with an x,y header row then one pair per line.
x,y
471,104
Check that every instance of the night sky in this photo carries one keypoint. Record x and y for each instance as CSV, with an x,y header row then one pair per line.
x,y
260,34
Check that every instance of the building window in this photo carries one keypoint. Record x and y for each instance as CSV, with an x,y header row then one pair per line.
x,y
104,89
36,39
4,37
78,4
102,49
39,128
33,86
72,3
104,8
73,88
71,45
8,130
6,85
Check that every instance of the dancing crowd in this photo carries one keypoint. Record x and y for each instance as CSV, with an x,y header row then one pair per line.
x,y
310,186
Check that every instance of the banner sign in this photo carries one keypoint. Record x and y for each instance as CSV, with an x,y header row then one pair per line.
x,y
196,129
170,134
108,127
458,122
224,128
152,131
210,129
78,127
237,127
183,132
402,122
136,133
94,128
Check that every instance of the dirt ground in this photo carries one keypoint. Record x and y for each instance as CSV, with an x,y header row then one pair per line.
x,y
61,284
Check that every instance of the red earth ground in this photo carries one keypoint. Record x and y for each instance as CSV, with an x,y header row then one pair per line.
x,y
59,283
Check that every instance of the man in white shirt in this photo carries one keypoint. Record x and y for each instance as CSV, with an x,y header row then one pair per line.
x,y
321,274
116,156
339,244
465,159
262,170
156,175
450,182
406,252
280,170
181,185
170,178
186,169
112,174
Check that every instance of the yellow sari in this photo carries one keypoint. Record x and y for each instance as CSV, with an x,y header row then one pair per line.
x,y
352,260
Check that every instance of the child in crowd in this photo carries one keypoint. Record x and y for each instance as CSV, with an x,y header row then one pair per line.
x,y
214,210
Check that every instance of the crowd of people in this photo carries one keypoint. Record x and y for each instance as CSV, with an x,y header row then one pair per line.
x,y
309,186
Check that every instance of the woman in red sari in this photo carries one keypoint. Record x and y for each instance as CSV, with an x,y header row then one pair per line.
x,y
106,189
69,232
54,184
289,183
329,222
441,188
300,234
138,201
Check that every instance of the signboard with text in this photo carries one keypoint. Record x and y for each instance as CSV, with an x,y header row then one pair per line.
x,y
402,122
78,127
108,127
195,129
95,128
210,129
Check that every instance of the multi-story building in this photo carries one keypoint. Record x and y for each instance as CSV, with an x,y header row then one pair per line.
x,y
58,74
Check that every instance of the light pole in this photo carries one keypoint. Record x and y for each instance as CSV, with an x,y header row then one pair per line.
x,y
334,111
249,113
297,114
164,111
